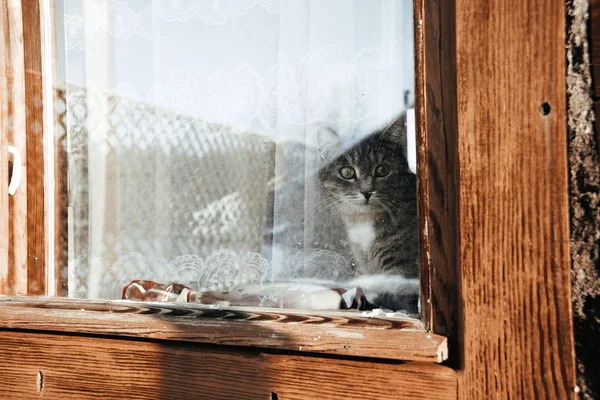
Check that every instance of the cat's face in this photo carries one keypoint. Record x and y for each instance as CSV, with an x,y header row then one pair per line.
x,y
371,176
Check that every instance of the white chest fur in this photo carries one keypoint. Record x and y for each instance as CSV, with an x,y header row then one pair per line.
x,y
361,234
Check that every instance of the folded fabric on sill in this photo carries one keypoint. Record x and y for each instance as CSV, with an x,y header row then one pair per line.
x,y
281,295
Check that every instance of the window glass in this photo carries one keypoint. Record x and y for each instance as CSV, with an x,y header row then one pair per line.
x,y
237,152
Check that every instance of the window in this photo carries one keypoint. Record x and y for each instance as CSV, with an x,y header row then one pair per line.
x,y
171,177
257,153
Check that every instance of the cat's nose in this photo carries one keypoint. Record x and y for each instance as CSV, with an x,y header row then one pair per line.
x,y
367,195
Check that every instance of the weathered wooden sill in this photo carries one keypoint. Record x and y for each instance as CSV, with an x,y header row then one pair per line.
x,y
340,333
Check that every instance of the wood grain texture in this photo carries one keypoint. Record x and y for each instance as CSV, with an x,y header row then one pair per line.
x,y
329,333
438,165
14,277
5,71
422,170
75,367
22,50
514,229
32,46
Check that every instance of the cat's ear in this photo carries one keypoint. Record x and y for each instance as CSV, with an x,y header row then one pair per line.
x,y
329,142
396,131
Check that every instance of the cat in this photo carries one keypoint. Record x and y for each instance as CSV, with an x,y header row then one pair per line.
x,y
371,188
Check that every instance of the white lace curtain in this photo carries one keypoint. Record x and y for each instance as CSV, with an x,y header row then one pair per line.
x,y
190,131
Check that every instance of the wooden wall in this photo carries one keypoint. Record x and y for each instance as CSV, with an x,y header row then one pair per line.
x,y
514,273
58,366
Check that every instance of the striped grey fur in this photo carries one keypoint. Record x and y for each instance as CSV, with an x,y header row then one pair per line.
x,y
376,200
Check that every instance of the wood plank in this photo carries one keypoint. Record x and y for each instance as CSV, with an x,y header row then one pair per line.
x,y
36,244
438,161
5,72
517,333
14,279
343,333
422,170
22,47
74,367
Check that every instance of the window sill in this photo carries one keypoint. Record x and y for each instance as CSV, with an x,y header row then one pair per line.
x,y
339,333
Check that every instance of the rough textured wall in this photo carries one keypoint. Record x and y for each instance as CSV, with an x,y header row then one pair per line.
x,y
584,182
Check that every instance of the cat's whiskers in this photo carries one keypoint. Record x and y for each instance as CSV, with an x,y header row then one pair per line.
x,y
387,210
323,206
336,211
344,203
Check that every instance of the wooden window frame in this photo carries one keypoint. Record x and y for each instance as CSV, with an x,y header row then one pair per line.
x,y
343,333
495,277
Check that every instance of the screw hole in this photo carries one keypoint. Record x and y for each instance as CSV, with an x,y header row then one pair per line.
x,y
545,109
274,396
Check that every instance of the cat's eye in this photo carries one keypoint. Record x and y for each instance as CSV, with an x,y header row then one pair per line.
x,y
382,170
347,173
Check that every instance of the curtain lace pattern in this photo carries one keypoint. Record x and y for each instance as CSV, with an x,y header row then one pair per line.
x,y
127,20
189,129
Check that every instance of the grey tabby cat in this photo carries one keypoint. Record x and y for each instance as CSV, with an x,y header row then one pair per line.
x,y
370,186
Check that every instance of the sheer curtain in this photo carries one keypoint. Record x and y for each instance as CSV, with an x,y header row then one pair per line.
x,y
190,130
